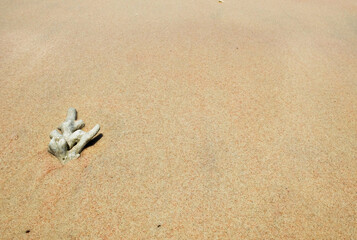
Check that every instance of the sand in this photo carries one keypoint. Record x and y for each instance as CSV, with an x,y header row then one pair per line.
x,y
233,120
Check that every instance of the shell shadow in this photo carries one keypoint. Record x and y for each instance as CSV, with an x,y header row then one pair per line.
x,y
93,141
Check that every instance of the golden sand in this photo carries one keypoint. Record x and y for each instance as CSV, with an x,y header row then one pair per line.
x,y
233,120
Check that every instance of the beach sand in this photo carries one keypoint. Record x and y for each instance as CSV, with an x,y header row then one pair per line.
x,y
233,120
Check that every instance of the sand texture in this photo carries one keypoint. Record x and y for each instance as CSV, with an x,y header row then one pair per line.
x,y
233,120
